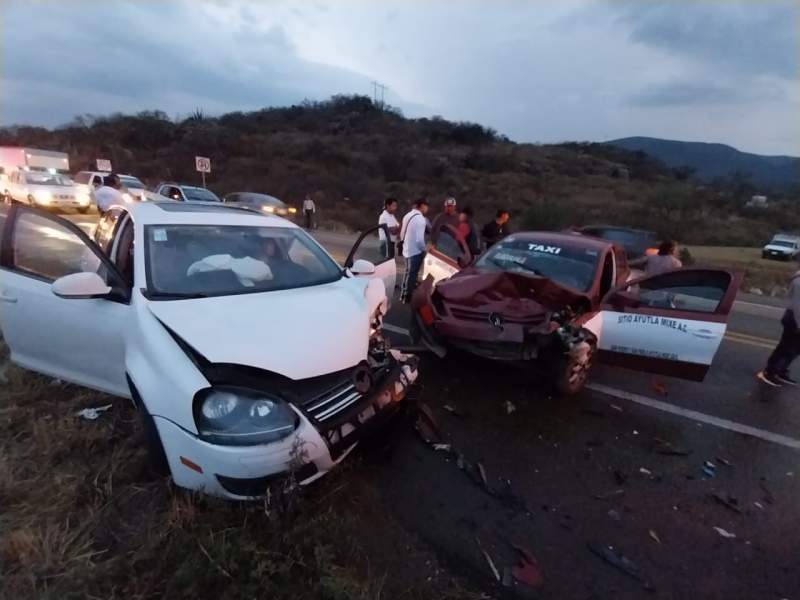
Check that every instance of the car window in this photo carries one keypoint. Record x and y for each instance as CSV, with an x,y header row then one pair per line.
x,y
448,245
106,228
200,194
370,249
217,260
700,291
566,265
46,248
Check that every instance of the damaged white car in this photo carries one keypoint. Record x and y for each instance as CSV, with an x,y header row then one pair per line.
x,y
249,351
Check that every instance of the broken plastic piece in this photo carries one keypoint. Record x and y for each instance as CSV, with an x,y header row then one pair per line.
x,y
509,406
730,503
654,536
608,495
724,462
489,560
427,426
621,562
724,533
659,387
90,414
644,471
442,447
527,570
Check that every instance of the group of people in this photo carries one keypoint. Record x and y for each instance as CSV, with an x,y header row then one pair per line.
x,y
408,236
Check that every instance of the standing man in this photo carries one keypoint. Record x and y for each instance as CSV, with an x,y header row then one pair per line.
x,y
468,231
776,372
496,230
108,194
309,208
666,259
448,216
387,218
412,237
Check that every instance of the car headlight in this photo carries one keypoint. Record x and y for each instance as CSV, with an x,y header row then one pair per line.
x,y
269,209
83,198
292,209
233,416
43,196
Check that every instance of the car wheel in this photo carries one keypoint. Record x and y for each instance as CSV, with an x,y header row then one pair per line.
x,y
156,457
572,370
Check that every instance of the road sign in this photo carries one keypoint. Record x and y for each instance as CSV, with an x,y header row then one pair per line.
x,y
103,164
202,164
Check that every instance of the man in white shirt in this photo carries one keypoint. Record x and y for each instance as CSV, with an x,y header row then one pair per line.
x,y
387,218
108,194
308,210
412,236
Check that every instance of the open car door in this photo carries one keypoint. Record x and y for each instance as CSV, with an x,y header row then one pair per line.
x,y
670,324
447,255
369,247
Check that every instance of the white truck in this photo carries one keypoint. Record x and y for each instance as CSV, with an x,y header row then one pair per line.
x,y
783,246
40,178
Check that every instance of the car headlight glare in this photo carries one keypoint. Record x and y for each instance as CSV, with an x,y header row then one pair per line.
x,y
232,416
83,198
292,209
269,209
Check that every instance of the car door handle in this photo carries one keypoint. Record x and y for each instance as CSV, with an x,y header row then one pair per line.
x,y
9,299
705,334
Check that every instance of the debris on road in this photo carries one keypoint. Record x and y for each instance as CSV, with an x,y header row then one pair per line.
x,y
668,448
730,502
654,536
427,426
489,560
609,495
442,447
644,471
614,515
620,561
726,534
723,462
454,411
709,469
527,571
758,505
659,387
768,497
509,406
616,408
90,414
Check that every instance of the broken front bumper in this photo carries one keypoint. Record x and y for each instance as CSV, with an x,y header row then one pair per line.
x,y
315,447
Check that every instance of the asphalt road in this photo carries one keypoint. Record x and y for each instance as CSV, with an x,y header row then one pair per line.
x,y
620,465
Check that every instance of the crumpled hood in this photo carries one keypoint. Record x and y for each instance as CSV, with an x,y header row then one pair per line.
x,y
511,294
297,333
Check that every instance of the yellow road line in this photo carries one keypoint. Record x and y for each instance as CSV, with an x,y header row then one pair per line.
x,y
751,340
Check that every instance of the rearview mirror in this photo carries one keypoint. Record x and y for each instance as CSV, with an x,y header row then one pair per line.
x,y
362,267
81,285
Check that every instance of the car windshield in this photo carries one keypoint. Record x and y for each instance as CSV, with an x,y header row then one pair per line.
x,y
573,267
185,261
131,182
628,237
200,194
782,244
41,178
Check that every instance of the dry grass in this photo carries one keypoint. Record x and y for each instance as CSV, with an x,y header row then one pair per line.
x,y
82,518
767,275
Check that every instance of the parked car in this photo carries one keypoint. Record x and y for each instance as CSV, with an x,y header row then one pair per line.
x,y
637,242
45,190
260,202
555,300
249,351
186,193
782,247
132,186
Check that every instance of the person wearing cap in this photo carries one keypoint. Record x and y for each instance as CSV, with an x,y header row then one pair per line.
x,y
412,240
108,194
449,216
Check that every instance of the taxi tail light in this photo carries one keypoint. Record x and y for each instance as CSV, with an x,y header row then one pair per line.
x,y
426,314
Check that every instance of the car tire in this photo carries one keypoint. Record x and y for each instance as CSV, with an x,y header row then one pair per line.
x,y
571,373
156,457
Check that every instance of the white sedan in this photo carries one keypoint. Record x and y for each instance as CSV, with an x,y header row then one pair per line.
x,y
249,351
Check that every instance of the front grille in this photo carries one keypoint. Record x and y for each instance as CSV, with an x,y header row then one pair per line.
x,y
329,404
474,315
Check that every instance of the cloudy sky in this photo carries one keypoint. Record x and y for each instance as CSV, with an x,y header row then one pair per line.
x,y
710,70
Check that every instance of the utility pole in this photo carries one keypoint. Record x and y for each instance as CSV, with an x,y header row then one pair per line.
x,y
375,87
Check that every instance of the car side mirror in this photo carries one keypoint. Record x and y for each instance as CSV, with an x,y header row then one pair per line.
x,y
362,267
81,285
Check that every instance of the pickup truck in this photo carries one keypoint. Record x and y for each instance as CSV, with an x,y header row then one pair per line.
x,y
554,302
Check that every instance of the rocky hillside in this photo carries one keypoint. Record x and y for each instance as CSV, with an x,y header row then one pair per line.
x,y
351,154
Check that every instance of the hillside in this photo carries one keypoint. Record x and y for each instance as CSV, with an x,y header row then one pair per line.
x,y
718,161
351,154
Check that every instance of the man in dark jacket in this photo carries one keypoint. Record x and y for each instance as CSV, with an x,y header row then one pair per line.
x,y
776,372
496,230
469,231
